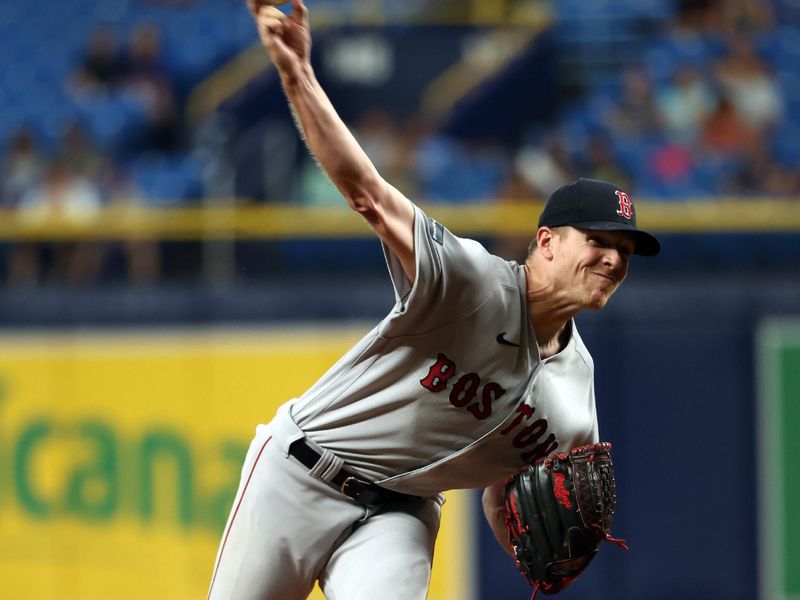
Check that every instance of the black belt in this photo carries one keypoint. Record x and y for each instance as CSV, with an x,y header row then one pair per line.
x,y
363,492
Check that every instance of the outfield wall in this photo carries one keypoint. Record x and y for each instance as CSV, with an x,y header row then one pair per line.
x,y
121,454
120,451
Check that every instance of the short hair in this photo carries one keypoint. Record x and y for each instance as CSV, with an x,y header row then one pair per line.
x,y
533,245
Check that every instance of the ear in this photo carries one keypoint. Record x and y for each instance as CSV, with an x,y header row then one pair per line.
x,y
544,242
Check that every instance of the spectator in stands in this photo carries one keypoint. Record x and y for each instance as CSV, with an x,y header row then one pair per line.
x,y
80,155
101,66
377,132
22,168
746,80
142,62
636,115
388,147
399,148
315,188
699,15
684,104
411,132
72,199
760,175
670,170
726,133
748,15
544,165
725,15
600,163
145,75
141,255
516,189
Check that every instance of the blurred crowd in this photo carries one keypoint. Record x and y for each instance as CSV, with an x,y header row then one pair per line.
x,y
72,183
75,178
710,110
135,68
707,112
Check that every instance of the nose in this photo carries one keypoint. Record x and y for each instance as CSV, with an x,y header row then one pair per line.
x,y
615,260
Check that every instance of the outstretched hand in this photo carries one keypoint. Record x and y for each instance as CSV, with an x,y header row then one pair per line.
x,y
286,37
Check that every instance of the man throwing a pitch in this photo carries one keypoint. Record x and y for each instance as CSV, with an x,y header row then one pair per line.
x,y
477,370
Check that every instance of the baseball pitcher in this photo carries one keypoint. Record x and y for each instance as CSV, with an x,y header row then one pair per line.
x,y
477,371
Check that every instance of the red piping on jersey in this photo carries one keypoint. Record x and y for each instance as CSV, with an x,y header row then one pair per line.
x,y
233,518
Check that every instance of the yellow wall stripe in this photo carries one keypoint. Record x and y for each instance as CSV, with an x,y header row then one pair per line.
x,y
284,221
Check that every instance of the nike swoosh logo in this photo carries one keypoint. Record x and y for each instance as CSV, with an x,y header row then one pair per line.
x,y
502,340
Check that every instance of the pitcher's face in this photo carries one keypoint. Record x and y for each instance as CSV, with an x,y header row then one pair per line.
x,y
590,264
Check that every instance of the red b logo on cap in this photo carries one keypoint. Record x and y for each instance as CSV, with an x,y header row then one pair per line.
x,y
625,205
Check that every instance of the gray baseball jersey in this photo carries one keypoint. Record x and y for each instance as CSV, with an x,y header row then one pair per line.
x,y
449,391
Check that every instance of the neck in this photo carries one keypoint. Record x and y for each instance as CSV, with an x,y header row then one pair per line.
x,y
550,312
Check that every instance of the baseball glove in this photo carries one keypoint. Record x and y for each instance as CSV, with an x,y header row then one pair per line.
x,y
558,511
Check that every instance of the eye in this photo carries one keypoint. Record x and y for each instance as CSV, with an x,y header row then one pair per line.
x,y
595,240
626,250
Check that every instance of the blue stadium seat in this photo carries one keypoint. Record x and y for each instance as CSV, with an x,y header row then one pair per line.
x,y
114,122
450,173
781,47
785,146
665,56
168,181
787,11
631,154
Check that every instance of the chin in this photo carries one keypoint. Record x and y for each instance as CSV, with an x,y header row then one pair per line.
x,y
598,303
598,299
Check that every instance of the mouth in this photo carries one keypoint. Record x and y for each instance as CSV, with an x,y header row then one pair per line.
x,y
607,278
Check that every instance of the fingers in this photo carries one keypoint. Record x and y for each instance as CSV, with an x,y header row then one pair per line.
x,y
271,25
299,11
284,34
271,19
259,3
255,5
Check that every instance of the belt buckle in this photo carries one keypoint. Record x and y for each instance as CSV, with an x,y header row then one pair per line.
x,y
349,481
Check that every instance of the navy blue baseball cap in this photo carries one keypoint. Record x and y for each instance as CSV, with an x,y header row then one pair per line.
x,y
597,205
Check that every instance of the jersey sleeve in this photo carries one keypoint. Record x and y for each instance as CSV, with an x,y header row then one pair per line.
x,y
454,276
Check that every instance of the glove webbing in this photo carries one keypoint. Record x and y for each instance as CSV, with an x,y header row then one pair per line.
x,y
569,496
